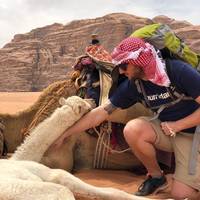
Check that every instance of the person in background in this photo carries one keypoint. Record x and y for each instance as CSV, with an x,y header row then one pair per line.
x,y
174,128
95,40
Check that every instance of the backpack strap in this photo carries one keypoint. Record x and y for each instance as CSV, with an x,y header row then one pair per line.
x,y
146,102
141,90
194,152
167,105
198,66
173,91
117,79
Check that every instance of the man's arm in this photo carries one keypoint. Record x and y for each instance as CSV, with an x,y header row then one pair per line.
x,y
91,119
191,120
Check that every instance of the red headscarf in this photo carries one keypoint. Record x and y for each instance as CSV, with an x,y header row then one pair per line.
x,y
137,52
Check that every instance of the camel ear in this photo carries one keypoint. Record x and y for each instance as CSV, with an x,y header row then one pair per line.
x,y
62,101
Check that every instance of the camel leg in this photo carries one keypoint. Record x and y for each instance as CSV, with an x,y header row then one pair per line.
x,y
62,157
84,190
84,150
17,189
77,152
76,186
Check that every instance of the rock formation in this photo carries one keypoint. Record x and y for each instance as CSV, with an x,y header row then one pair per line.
x,y
31,61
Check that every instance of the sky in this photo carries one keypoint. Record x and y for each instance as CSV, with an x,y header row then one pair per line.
x,y
21,16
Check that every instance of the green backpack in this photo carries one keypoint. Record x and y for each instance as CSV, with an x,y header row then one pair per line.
x,y
163,38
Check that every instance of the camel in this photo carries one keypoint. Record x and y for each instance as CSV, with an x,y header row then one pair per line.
x,y
62,118
78,152
1,138
21,177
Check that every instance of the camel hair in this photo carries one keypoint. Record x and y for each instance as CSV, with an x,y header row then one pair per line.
x,y
22,178
78,151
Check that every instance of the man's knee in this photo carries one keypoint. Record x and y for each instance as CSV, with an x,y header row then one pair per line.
x,y
133,128
138,129
178,195
181,191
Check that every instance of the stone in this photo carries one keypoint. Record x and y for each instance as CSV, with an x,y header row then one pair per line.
x,y
32,61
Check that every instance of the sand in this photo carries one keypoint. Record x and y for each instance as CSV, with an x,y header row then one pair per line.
x,y
16,101
127,181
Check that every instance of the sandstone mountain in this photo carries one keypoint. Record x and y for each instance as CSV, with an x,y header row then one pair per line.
x,y
32,61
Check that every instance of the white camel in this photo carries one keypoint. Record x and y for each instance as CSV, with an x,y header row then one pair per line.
x,y
22,178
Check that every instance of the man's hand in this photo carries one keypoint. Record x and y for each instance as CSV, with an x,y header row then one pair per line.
x,y
169,128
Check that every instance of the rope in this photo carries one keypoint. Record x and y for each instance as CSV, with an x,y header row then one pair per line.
x,y
96,154
101,153
106,133
106,145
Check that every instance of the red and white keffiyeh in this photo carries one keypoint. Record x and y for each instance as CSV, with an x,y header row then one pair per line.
x,y
137,52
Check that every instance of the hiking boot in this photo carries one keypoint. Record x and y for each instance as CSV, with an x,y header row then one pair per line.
x,y
152,185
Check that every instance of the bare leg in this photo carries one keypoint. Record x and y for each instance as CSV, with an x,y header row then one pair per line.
x,y
140,136
195,196
182,191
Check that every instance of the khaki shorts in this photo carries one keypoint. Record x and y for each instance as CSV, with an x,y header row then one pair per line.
x,y
181,146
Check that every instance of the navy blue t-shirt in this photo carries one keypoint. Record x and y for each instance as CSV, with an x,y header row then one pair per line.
x,y
182,76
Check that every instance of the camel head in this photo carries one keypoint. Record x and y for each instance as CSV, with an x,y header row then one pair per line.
x,y
78,105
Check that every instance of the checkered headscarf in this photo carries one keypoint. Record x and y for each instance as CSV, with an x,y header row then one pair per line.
x,y
139,53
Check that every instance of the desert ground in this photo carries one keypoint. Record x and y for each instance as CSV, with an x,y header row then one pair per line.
x,y
16,101
127,181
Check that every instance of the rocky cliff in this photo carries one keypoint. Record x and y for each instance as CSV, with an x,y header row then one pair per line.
x,y
32,61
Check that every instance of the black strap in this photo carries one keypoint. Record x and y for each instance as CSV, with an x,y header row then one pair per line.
x,y
117,79
175,92
141,90
103,68
198,65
